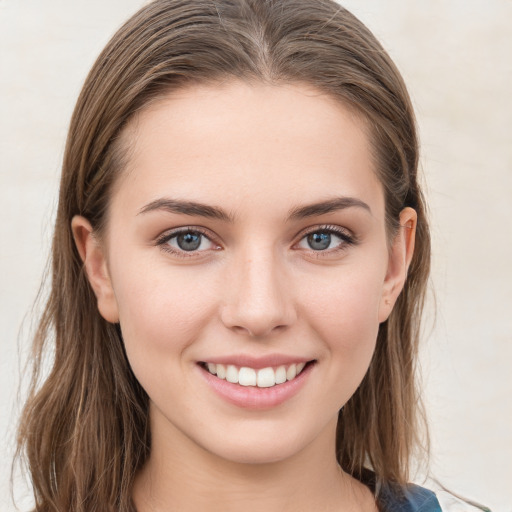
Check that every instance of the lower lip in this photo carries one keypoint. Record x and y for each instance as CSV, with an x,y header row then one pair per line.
x,y
252,397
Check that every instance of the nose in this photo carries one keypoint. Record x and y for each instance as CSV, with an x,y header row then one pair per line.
x,y
258,297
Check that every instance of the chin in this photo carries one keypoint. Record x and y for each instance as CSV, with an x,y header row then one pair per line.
x,y
258,454
261,445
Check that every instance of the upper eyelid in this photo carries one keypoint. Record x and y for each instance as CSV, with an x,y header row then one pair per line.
x,y
162,241
170,233
347,237
326,227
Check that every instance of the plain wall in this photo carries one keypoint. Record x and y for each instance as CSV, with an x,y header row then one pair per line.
x,y
456,57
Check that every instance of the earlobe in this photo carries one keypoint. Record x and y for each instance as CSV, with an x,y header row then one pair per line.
x,y
400,256
95,265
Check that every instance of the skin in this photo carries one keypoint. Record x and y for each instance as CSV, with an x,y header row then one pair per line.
x,y
255,287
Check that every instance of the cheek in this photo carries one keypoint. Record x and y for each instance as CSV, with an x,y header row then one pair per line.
x,y
344,314
347,305
161,311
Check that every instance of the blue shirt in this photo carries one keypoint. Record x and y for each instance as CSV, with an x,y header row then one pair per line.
x,y
413,498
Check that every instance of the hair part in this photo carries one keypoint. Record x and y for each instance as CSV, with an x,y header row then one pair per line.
x,y
84,431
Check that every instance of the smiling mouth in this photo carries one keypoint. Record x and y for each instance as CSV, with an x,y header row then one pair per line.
x,y
260,378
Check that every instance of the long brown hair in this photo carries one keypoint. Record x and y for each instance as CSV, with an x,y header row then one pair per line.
x,y
84,430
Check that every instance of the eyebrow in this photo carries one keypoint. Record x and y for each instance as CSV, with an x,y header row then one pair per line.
x,y
329,206
187,208
195,209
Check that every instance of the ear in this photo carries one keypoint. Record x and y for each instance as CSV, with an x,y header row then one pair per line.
x,y
95,265
400,256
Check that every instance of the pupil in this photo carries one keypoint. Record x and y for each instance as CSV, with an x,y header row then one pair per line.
x,y
319,241
189,241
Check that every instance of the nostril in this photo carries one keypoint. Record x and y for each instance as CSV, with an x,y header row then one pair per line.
x,y
256,323
258,331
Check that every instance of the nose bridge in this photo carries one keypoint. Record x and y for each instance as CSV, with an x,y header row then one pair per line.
x,y
259,300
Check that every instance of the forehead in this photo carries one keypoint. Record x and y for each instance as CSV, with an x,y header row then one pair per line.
x,y
241,144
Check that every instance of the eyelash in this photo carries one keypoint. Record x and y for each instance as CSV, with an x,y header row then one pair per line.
x,y
163,241
347,240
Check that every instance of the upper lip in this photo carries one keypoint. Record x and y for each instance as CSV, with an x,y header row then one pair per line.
x,y
245,360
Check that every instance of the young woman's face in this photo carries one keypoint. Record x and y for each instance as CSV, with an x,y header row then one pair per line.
x,y
246,242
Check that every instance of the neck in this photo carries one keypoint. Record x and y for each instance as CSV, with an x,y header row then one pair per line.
x,y
180,475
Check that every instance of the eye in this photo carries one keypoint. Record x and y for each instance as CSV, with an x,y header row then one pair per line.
x,y
326,239
186,241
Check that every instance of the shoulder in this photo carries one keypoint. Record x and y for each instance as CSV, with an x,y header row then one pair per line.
x,y
414,498
451,503
411,498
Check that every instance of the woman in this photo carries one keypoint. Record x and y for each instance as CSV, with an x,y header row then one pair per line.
x,y
239,267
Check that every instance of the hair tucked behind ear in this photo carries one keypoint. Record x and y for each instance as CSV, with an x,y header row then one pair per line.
x,y
84,430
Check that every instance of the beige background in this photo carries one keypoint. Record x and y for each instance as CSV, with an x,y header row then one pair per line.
x,y
456,56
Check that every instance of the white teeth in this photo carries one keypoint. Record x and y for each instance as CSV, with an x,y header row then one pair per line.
x,y
221,371
291,373
281,375
247,377
266,378
263,378
232,374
